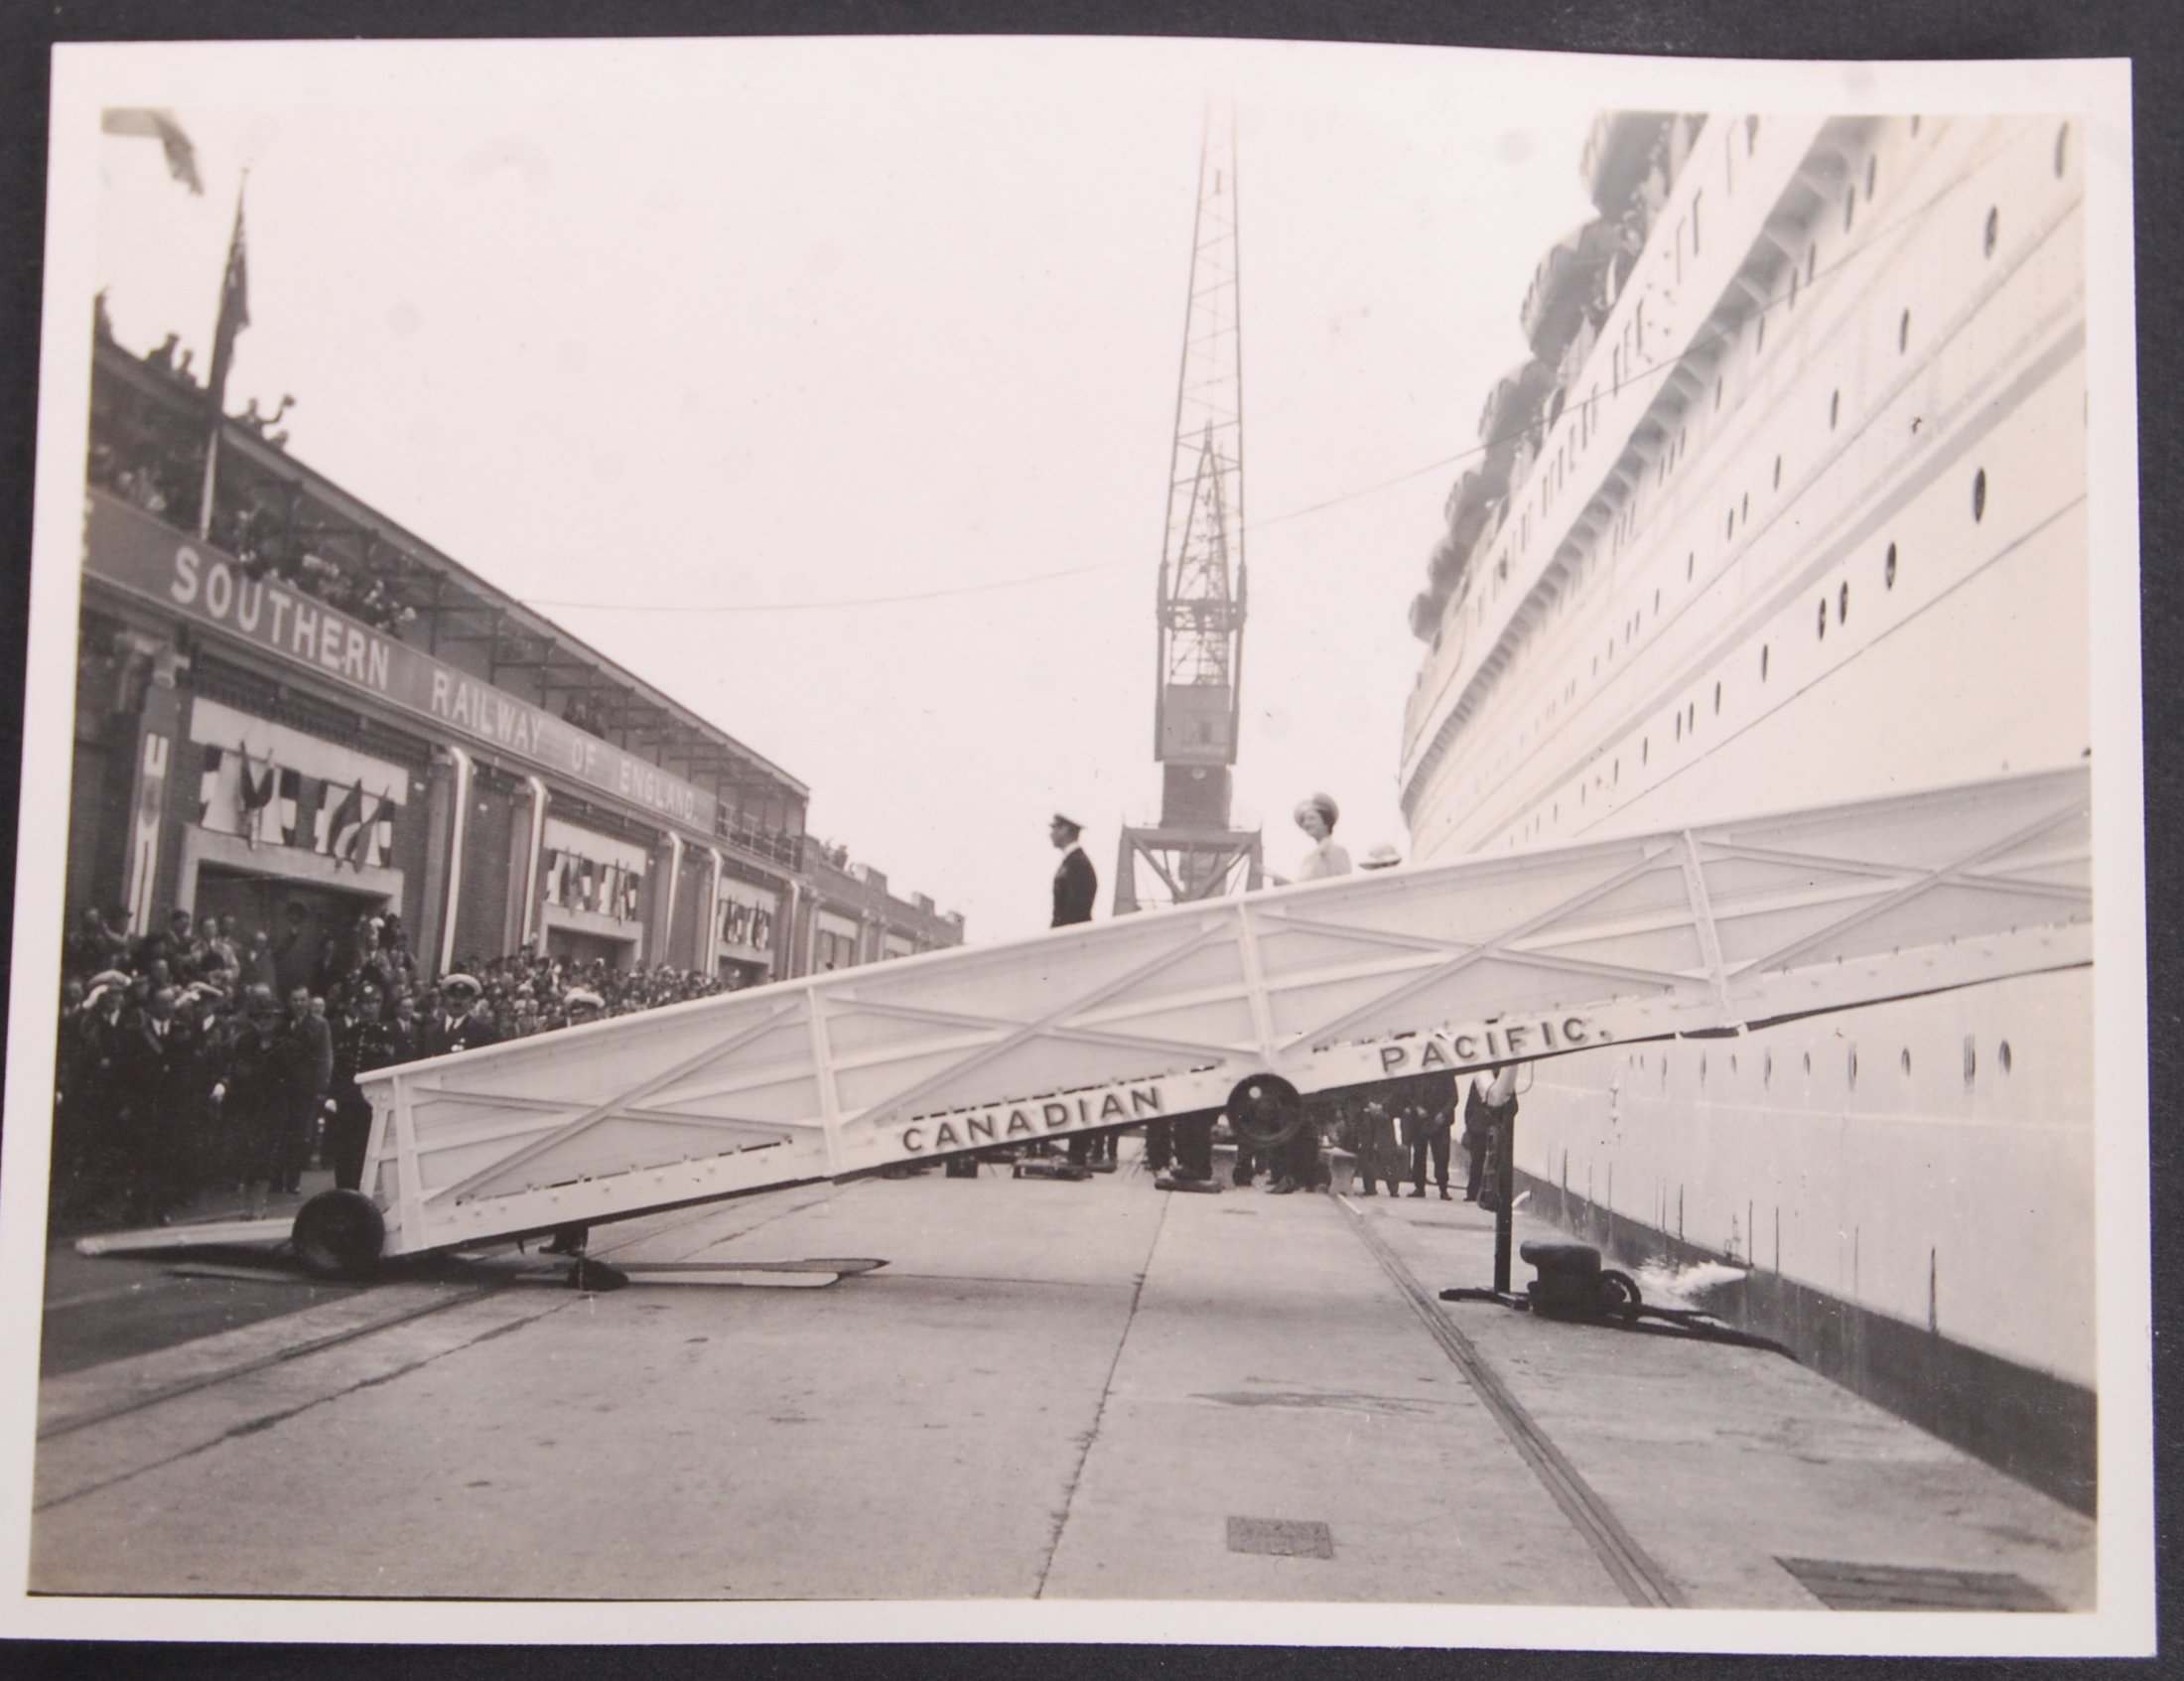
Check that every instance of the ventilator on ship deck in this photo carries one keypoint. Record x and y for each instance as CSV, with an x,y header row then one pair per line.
x,y
1242,1006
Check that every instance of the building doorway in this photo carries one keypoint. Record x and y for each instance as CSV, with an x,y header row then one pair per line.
x,y
311,928
574,947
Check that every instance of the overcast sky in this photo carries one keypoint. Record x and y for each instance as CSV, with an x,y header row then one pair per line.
x,y
718,352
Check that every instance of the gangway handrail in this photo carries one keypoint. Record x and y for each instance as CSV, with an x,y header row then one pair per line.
x,y
1390,975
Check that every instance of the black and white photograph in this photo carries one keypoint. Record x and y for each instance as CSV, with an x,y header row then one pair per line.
x,y
827,837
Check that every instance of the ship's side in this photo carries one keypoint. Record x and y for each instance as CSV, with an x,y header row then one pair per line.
x,y
1792,510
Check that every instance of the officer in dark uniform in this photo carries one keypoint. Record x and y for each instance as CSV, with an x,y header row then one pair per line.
x,y
1076,883
458,1024
1076,886
348,1125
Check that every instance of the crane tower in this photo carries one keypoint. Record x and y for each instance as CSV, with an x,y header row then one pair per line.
x,y
1193,853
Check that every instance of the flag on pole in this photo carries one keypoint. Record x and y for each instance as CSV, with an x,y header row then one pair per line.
x,y
346,823
234,313
160,125
367,831
288,805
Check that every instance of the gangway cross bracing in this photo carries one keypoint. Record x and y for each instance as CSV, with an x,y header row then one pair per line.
x,y
1245,1005
1175,1012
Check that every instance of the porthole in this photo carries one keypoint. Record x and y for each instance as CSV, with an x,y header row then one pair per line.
x,y
1759,336
1767,1069
1718,394
1821,625
1680,726
1903,333
1744,512
1970,1060
1645,749
1690,716
1993,229
1778,473
1751,134
1730,529
2002,1056
1617,777
1905,1060
1701,1069
1811,261
1850,211
1793,286
1872,174
1656,601
1808,1064
1835,408
1850,1067
1732,1062
1978,496
2062,150
1763,662
1688,561
1842,605
1717,697
1888,568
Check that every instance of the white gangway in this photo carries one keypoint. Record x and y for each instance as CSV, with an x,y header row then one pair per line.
x,y
1237,1005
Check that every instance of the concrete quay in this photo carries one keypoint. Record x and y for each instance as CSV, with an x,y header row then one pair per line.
x,y
1052,1391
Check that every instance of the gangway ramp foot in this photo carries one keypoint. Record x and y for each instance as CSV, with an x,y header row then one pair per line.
x,y
598,1277
1179,1181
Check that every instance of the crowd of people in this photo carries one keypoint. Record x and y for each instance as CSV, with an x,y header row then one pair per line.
x,y
167,480
185,1067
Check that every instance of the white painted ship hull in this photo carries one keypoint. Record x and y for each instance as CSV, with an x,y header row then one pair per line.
x,y
1822,536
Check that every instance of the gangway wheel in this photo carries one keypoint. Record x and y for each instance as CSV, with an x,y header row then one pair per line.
x,y
339,1233
1265,1111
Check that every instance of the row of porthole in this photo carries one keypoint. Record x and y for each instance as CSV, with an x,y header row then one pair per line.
x,y
1992,234
1687,718
1742,511
2005,1057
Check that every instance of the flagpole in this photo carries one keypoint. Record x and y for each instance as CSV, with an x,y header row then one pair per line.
x,y
233,316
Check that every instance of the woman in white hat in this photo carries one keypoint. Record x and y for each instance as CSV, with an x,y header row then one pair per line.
x,y
1316,815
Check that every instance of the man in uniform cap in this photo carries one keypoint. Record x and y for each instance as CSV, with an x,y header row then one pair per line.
x,y
457,1024
1076,883
1076,886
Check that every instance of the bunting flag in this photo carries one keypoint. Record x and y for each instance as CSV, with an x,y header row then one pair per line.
x,y
553,878
762,930
631,881
348,817
286,803
209,782
358,852
254,794
160,125
586,887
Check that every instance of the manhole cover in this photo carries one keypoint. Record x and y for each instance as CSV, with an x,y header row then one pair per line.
x,y
1283,1537
1888,1586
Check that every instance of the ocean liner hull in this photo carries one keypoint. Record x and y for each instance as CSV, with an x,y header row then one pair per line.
x,y
1797,513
